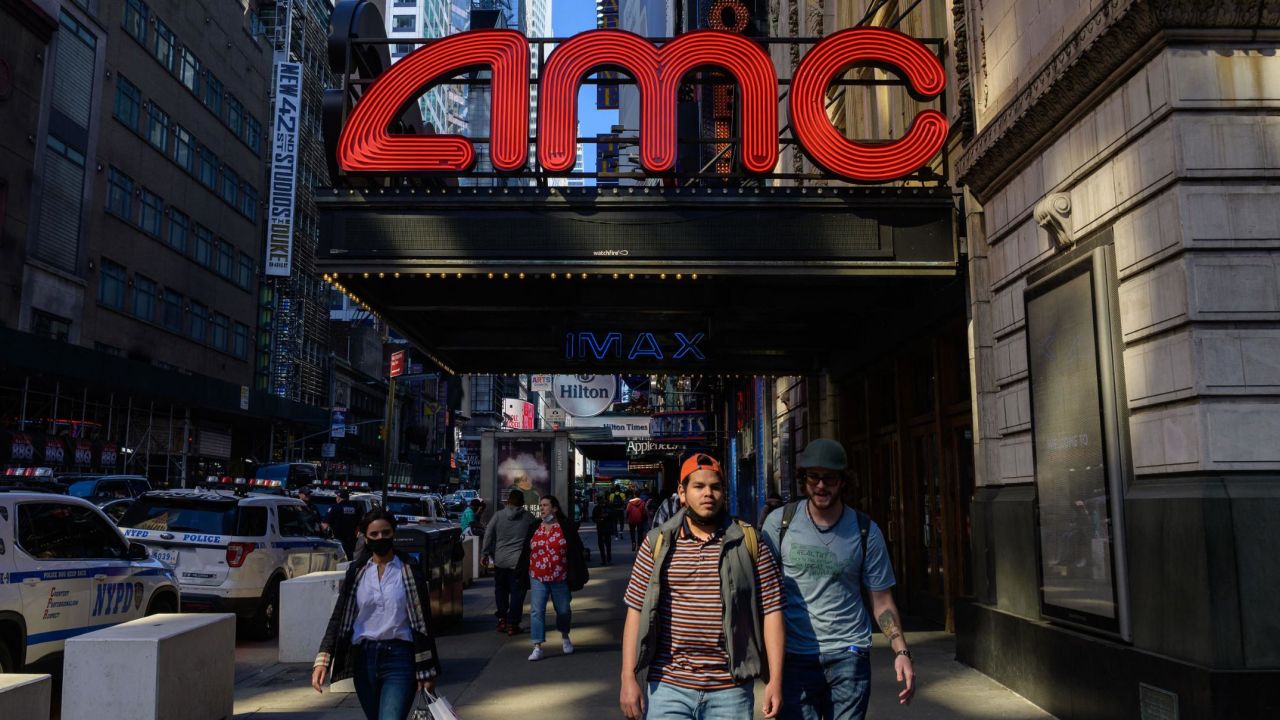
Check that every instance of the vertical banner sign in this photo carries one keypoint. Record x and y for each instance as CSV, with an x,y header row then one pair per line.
x,y
284,168
762,456
397,363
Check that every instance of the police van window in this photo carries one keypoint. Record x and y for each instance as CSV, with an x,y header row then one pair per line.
x,y
82,488
253,521
312,521
59,531
139,486
210,517
113,489
292,522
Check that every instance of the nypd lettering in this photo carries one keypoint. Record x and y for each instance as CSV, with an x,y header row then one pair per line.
x,y
115,598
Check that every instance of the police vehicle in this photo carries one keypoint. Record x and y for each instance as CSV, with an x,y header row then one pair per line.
x,y
231,550
415,504
324,494
66,570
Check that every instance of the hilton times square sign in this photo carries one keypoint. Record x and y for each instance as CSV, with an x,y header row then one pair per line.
x,y
366,146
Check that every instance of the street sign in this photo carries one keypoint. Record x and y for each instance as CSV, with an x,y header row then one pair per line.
x,y
397,363
328,450
338,423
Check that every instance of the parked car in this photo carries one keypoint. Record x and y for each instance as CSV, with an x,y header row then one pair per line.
x,y
65,570
232,550
413,504
101,489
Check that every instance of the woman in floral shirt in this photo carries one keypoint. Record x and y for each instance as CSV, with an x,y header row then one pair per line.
x,y
557,566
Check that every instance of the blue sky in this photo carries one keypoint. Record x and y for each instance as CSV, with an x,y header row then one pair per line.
x,y
569,17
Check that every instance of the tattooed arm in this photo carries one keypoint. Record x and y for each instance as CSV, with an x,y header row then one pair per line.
x,y
886,614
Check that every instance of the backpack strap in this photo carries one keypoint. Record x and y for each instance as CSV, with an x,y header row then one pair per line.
x,y
751,539
656,543
788,514
864,528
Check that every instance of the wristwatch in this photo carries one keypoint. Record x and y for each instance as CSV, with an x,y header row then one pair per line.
x,y
905,653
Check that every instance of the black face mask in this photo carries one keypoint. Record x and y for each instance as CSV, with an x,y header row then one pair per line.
x,y
380,546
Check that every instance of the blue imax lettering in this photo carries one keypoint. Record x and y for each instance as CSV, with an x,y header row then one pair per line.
x,y
609,345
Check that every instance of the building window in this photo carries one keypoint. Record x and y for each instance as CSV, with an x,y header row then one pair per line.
x,y
48,325
400,49
111,281
240,342
403,23
150,220
253,134
120,195
162,48
158,128
226,260
244,278
189,70
109,349
204,245
213,94
128,103
173,311
235,115
208,168
179,228
144,298
198,329
249,203
135,20
183,152
230,185
220,325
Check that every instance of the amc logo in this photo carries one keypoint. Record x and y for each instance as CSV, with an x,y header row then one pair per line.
x,y
365,145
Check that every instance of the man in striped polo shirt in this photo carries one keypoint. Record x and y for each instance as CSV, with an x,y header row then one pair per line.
x,y
704,612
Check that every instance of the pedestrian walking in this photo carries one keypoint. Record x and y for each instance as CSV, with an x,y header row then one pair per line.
x,y
771,503
830,552
506,541
603,519
666,510
469,517
342,520
636,515
557,568
379,634
697,577
617,502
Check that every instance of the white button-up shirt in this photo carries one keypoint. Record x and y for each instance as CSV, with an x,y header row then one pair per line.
x,y
382,611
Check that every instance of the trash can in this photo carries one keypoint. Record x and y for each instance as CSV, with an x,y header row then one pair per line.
x,y
438,552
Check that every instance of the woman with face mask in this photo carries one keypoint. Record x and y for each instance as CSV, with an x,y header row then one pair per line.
x,y
379,634
557,568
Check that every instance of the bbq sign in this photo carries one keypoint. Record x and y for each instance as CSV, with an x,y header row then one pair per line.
x,y
366,145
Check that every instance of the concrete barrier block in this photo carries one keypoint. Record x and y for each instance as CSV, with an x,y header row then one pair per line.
x,y
470,560
155,668
305,606
26,696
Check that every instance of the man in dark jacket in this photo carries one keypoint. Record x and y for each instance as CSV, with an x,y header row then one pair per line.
x,y
343,519
506,541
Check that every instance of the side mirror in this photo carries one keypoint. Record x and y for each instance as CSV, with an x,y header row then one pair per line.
x,y
138,551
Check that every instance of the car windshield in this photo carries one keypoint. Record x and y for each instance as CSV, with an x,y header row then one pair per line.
x,y
212,517
82,488
405,506
273,472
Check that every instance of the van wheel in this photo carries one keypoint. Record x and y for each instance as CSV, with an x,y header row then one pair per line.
x,y
8,664
265,624
162,604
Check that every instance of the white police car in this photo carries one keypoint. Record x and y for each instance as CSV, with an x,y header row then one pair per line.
x,y
66,570
415,504
231,551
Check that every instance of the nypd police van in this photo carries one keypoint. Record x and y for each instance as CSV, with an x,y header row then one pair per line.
x,y
66,570
415,504
232,550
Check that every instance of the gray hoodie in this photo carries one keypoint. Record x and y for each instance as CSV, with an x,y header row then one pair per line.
x,y
506,539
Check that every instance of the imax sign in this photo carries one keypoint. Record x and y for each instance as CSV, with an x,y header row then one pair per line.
x,y
633,346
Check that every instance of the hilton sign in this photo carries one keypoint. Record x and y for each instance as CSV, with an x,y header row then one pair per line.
x,y
366,145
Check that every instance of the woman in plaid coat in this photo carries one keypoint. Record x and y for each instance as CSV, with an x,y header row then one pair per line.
x,y
379,634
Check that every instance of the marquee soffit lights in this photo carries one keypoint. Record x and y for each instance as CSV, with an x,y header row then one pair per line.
x,y
365,145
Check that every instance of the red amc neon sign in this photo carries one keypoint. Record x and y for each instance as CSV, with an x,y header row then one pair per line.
x,y
365,145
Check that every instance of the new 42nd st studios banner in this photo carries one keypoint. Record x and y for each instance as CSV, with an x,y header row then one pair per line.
x,y
284,168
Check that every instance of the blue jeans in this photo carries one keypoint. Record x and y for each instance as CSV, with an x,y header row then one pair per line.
x,y
830,686
560,599
671,701
385,678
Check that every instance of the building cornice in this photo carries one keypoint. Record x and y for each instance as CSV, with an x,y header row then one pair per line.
x,y
1100,50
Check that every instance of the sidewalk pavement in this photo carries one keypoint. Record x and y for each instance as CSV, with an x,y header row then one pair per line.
x,y
487,676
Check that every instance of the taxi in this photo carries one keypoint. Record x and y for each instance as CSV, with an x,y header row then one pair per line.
x,y
231,550
66,570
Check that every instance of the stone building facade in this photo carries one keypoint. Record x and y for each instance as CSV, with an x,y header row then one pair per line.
x,y
1137,142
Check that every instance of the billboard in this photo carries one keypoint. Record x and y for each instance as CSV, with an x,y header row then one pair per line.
x,y
524,465
517,414
585,395
284,168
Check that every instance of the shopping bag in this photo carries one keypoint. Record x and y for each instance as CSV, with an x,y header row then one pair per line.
x,y
432,707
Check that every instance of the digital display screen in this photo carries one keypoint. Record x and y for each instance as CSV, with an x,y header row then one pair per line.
x,y
1076,557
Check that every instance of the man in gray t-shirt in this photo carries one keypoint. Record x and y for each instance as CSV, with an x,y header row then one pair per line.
x,y
827,673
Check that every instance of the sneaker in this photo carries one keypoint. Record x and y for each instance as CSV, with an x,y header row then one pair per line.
x,y
502,625
513,630
536,655
567,646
